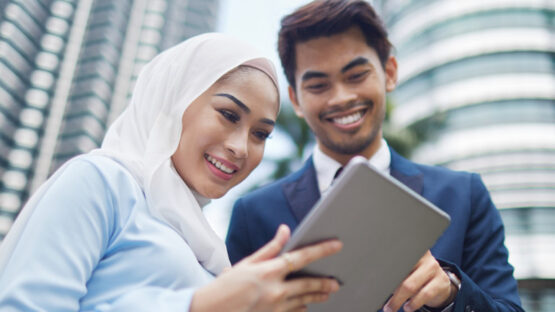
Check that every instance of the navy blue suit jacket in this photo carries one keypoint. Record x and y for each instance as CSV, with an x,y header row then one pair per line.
x,y
473,244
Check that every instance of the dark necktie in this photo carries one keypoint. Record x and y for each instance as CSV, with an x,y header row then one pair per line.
x,y
336,175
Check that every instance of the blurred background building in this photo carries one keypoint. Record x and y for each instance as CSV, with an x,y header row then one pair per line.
x,y
66,70
477,90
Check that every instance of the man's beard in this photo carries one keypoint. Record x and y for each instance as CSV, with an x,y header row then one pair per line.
x,y
349,147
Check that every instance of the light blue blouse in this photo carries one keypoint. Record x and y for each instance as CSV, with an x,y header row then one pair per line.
x,y
92,245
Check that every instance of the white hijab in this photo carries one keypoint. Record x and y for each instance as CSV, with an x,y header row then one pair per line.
x,y
147,133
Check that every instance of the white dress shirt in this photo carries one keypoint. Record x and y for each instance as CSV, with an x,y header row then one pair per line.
x,y
326,167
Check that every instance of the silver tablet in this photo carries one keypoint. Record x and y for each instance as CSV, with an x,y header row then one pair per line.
x,y
385,228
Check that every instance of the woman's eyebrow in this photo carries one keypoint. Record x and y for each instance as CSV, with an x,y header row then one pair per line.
x,y
236,101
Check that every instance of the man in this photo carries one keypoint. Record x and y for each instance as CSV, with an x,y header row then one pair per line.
x,y
336,57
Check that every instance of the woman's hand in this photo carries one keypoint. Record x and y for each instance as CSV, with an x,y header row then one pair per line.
x,y
257,283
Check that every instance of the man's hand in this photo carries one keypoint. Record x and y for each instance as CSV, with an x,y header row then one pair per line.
x,y
427,284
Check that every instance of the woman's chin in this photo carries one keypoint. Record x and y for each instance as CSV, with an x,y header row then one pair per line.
x,y
214,192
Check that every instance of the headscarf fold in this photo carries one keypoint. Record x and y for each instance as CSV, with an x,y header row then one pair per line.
x,y
147,133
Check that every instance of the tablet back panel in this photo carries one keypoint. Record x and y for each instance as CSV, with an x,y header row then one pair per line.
x,y
385,228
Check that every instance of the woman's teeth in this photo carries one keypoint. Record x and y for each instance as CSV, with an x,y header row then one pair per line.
x,y
348,119
219,165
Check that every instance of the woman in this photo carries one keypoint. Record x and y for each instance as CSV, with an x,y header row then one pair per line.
x,y
121,228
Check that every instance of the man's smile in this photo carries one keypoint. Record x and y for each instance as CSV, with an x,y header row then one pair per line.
x,y
347,118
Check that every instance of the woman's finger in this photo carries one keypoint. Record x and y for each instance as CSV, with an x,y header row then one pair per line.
x,y
299,303
272,248
302,286
300,258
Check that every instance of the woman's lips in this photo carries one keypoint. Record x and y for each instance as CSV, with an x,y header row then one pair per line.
x,y
220,167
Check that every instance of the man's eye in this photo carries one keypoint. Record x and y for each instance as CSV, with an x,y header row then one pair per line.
x,y
358,76
262,135
231,116
316,87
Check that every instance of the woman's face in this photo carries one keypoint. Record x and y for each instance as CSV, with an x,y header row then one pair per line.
x,y
225,130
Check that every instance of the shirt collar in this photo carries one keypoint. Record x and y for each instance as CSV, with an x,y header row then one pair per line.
x,y
326,166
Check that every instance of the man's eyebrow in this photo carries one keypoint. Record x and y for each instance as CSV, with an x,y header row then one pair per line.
x,y
236,101
357,61
316,74
312,74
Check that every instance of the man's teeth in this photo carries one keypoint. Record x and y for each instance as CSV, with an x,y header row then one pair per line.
x,y
219,165
348,119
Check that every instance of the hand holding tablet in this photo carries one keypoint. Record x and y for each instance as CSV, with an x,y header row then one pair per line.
x,y
385,228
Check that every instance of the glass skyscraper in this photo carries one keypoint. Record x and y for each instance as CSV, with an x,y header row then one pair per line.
x,y
67,68
477,88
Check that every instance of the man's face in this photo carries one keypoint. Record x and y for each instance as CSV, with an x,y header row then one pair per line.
x,y
340,91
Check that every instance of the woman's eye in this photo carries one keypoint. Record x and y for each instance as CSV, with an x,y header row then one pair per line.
x,y
262,135
231,116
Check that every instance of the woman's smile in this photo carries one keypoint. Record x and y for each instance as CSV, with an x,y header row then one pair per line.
x,y
220,167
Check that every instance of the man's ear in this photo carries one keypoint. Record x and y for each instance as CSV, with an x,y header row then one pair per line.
x,y
391,73
295,102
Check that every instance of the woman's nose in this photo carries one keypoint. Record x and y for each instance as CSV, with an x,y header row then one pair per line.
x,y
237,144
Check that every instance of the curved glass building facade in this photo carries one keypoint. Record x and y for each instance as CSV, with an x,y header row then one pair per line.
x,y
67,68
477,86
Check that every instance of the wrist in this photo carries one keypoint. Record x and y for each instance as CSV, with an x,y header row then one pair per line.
x,y
454,286
198,302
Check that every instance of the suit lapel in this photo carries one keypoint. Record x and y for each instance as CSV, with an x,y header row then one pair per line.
x,y
406,172
302,192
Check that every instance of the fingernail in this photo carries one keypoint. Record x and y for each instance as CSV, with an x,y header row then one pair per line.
x,y
407,308
386,308
336,244
334,286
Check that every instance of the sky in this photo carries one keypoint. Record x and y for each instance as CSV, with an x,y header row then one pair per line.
x,y
257,22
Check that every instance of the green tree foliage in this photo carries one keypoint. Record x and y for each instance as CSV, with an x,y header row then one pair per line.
x,y
403,140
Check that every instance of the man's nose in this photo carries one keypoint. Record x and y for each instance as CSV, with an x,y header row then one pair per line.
x,y
342,94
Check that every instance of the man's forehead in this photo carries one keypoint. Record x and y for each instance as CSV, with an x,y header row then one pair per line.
x,y
332,54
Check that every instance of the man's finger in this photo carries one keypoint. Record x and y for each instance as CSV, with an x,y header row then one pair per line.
x,y
421,275
430,293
